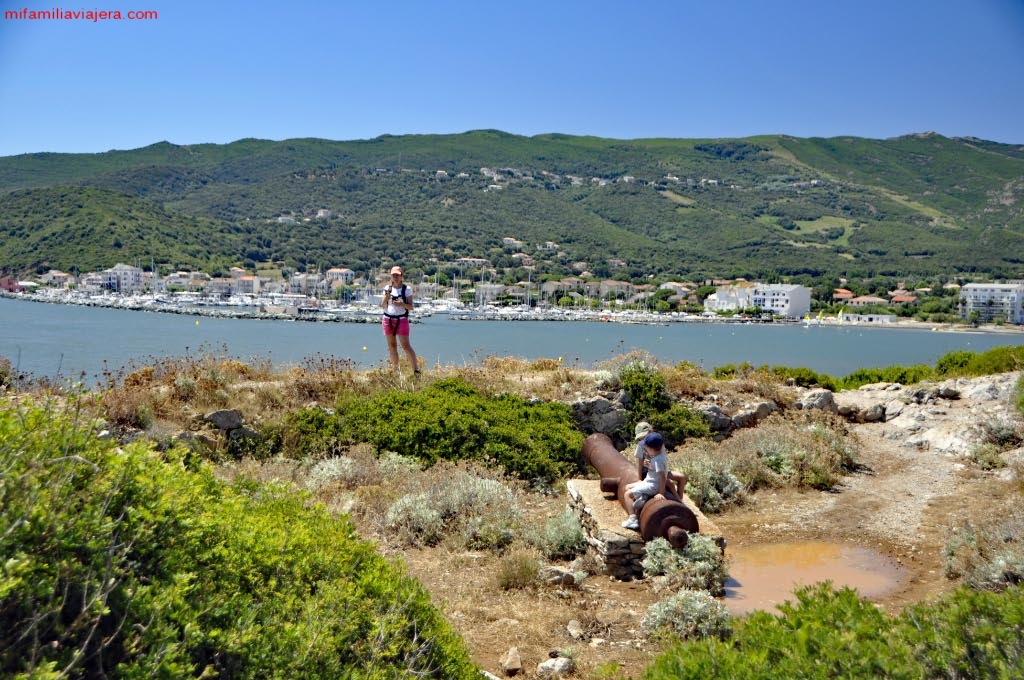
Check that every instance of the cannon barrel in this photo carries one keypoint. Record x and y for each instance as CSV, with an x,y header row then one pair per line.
x,y
668,517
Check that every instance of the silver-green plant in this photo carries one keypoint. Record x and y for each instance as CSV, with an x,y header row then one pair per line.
x,y
485,509
687,614
563,536
988,557
711,483
700,565
337,470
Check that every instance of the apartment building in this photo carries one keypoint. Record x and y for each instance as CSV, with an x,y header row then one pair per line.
x,y
993,301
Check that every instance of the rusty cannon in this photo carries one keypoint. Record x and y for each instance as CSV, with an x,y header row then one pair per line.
x,y
665,516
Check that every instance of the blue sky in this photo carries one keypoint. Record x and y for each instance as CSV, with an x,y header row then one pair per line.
x,y
221,71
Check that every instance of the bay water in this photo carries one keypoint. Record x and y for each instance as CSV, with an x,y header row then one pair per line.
x,y
69,341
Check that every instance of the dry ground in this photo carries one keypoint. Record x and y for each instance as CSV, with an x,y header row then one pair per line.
x,y
902,502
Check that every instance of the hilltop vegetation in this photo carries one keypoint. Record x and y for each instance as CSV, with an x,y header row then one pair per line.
x,y
921,206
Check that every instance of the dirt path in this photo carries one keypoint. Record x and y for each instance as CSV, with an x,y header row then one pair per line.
x,y
903,502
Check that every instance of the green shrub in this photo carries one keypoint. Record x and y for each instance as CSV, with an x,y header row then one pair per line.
x,y
828,633
903,375
1018,397
678,424
121,564
970,634
449,420
687,614
995,360
804,377
647,389
312,432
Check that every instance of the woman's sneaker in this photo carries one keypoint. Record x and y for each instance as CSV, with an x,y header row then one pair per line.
x,y
631,523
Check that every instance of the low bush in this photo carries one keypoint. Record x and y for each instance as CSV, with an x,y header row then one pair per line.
x,y
687,614
903,375
518,569
804,377
449,420
809,450
122,563
457,502
679,423
711,484
562,537
968,364
700,565
988,556
829,633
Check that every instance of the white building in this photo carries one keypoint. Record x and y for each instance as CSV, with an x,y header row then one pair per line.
x,y
780,299
123,278
341,275
993,301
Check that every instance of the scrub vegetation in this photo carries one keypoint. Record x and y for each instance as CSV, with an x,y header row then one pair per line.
x,y
139,541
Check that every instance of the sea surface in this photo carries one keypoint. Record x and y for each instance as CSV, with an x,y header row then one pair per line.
x,y
68,341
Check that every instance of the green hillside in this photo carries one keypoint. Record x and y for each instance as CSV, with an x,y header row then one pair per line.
x,y
921,206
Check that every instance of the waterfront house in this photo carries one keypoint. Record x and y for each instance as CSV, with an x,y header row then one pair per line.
x,y
867,301
56,279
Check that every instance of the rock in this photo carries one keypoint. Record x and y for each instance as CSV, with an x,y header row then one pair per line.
x,y
556,576
225,419
818,400
575,630
555,668
872,414
752,416
598,414
893,409
716,419
511,664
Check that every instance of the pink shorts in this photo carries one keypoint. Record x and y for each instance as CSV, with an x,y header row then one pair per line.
x,y
394,326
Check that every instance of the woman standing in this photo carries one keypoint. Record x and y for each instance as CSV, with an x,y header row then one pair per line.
x,y
397,303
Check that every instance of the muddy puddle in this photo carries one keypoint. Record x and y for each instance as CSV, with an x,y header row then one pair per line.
x,y
763,576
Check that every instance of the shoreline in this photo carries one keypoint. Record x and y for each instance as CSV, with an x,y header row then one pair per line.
x,y
371,315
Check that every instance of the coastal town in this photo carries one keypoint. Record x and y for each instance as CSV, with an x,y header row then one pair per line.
x,y
339,294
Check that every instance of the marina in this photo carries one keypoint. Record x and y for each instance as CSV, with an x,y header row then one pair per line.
x,y
68,340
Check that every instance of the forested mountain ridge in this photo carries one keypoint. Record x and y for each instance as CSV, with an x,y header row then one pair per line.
x,y
919,206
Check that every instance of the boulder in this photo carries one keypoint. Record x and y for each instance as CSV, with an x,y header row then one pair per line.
x,y
225,419
817,400
716,419
599,414
555,668
512,663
